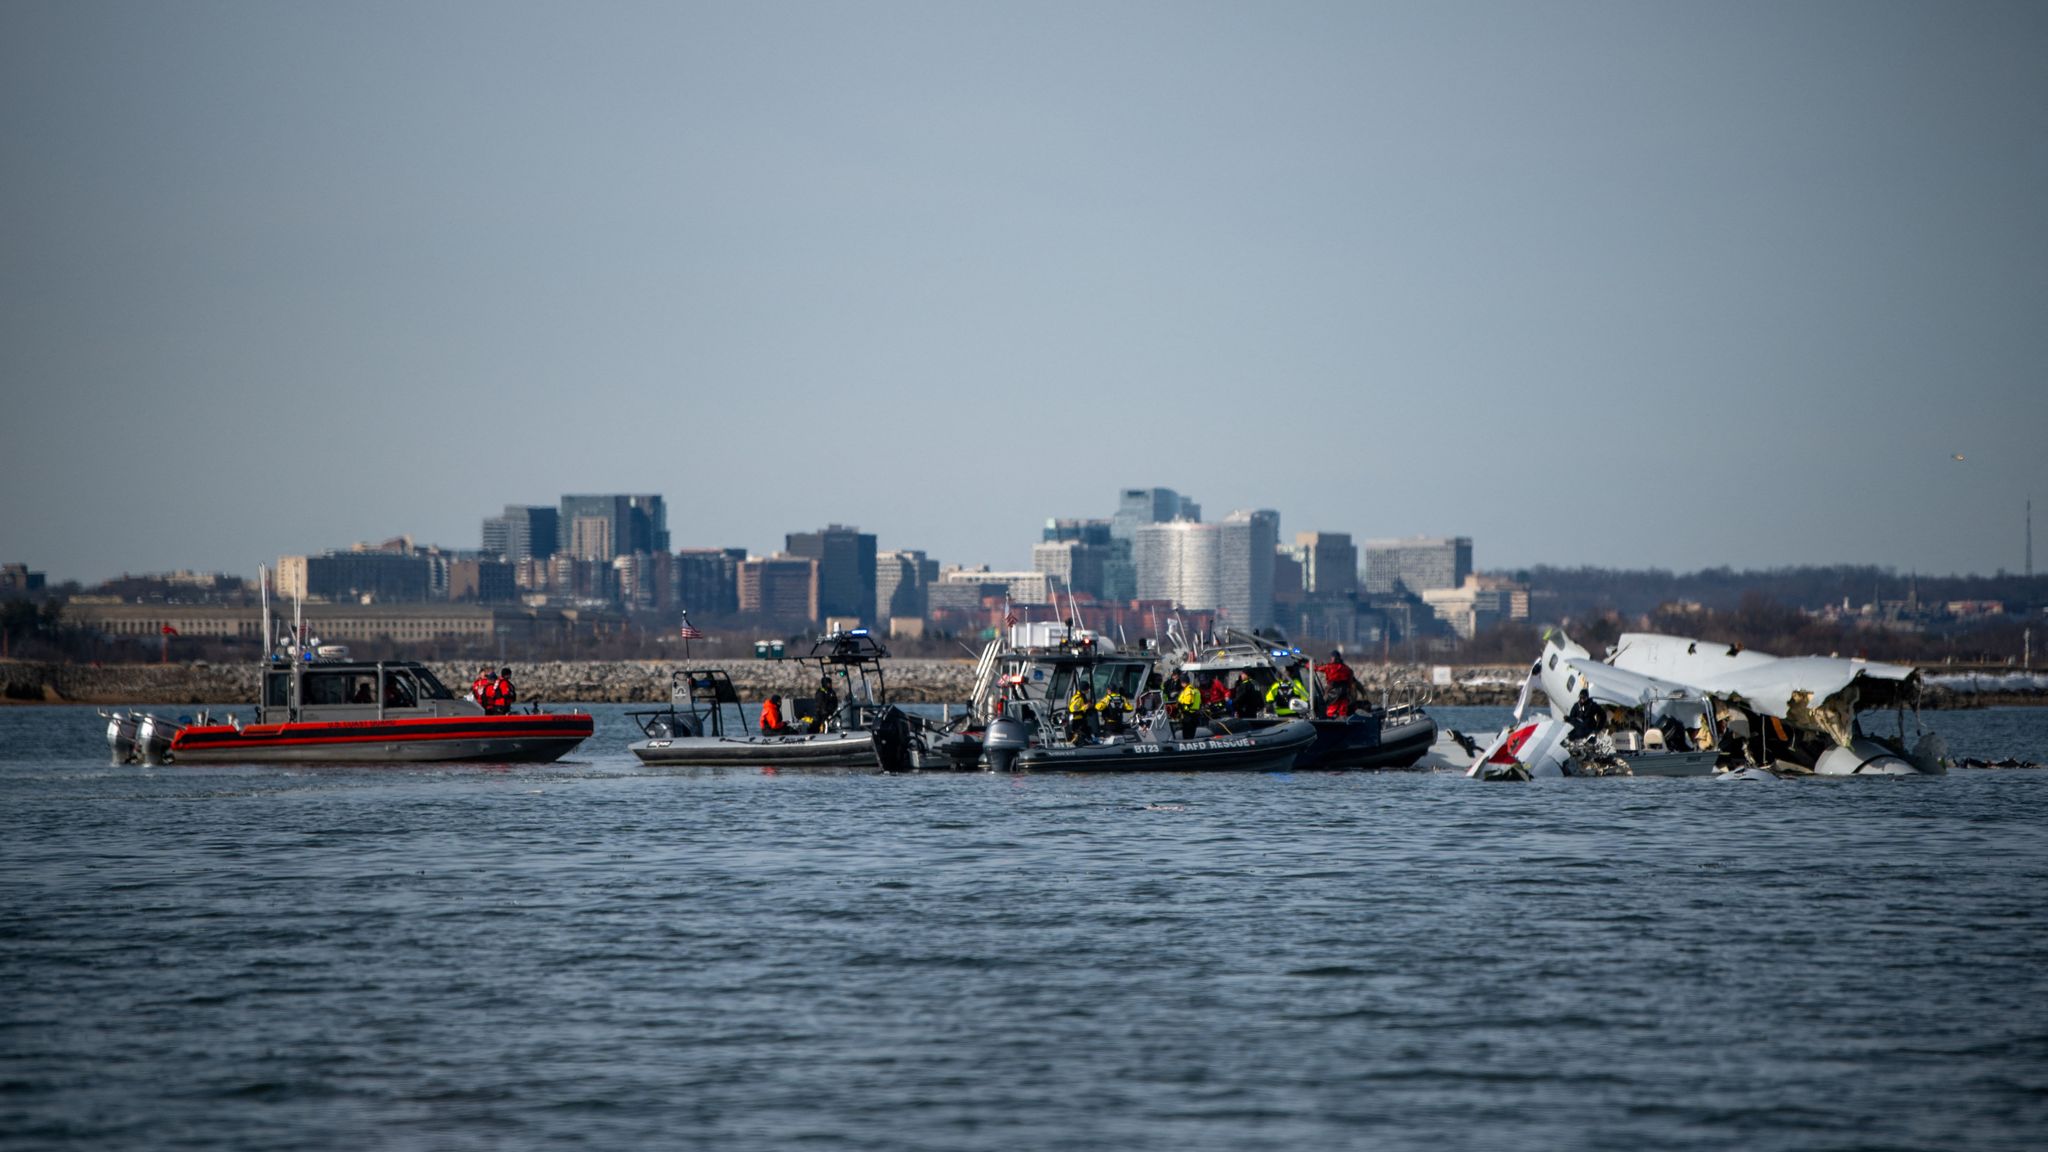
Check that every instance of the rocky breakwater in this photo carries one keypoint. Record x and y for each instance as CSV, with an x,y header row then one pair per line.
x,y
582,682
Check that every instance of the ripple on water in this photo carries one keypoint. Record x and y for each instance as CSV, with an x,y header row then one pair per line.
x,y
600,953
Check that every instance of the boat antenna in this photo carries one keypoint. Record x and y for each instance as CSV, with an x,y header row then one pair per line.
x,y
263,594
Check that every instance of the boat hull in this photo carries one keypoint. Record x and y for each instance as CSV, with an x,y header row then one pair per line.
x,y
513,739
1368,742
1265,749
825,750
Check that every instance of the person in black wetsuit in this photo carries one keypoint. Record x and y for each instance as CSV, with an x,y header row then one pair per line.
x,y
1585,717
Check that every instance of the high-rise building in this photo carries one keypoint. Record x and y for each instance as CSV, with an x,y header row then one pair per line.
x,y
524,532
1017,587
1417,564
779,588
901,583
364,577
1139,506
707,580
1329,563
1081,531
1135,508
1072,565
1247,542
486,581
846,569
631,524
1179,562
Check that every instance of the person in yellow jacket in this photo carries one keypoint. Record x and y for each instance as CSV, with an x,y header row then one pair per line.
x,y
1190,709
1287,697
1080,711
1111,710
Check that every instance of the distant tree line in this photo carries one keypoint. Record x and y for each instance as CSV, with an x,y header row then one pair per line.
x,y
1582,593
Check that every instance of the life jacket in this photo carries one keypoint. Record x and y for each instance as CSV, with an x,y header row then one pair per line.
x,y
1077,703
1285,697
1113,703
1216,692
499,696
480,689
1190,698
771,717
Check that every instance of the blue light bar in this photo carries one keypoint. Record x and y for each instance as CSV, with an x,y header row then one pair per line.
x,y
858,632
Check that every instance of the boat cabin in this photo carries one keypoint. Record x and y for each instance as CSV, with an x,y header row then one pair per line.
x,y
1036,683
355,690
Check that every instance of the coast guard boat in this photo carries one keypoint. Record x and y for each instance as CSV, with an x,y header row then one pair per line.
x,y
318,706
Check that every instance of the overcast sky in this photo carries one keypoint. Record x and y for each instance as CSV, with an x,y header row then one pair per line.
x,y
1626,284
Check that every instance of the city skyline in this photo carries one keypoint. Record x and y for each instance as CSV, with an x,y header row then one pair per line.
x,y
1589,283
1025,548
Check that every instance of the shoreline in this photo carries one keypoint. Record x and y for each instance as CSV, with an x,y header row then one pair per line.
x,y
910,681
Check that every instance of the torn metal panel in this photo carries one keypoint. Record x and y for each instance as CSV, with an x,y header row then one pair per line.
x,y
1784,687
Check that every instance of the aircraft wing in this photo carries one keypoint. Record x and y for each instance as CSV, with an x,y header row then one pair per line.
x,y
1769,684
1622,688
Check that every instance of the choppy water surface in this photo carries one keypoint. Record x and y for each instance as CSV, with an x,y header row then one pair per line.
x,y
593,952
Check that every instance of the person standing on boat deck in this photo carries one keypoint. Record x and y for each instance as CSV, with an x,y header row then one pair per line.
x,y
502,695
1111,710
1190,709
1337,678
1215,694
1245,699
1586,717
480,688
771,717
828,700
1080,708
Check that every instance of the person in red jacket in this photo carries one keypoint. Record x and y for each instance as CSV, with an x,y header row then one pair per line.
x,y
771,717
480,688
1339,681
499,699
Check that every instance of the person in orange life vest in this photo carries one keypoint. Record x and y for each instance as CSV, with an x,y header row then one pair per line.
x,y
480,688
499,700
771,717
1338,679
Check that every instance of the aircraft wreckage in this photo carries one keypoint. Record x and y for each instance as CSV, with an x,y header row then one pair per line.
x,y
1675,705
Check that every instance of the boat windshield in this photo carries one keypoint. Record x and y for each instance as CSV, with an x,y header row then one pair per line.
x,y
434,689
1128,679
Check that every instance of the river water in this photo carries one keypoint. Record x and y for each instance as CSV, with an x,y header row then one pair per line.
x,y
598,954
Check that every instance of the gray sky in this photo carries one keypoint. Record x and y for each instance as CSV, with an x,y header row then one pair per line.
x,y
1626,284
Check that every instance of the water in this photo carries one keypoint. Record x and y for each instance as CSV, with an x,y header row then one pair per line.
x,y
597,953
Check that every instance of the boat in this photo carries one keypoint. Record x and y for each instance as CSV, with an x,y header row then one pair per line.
x,y
1026,678
1387,734
319,706
846,719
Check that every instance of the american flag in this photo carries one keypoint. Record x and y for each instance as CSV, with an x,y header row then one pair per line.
x,y
689,632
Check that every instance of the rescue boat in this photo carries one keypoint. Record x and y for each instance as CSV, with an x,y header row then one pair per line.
x,y
318,706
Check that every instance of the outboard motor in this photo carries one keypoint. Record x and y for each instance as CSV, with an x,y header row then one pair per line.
x,y
153,739
1006,737
891,734
121,737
